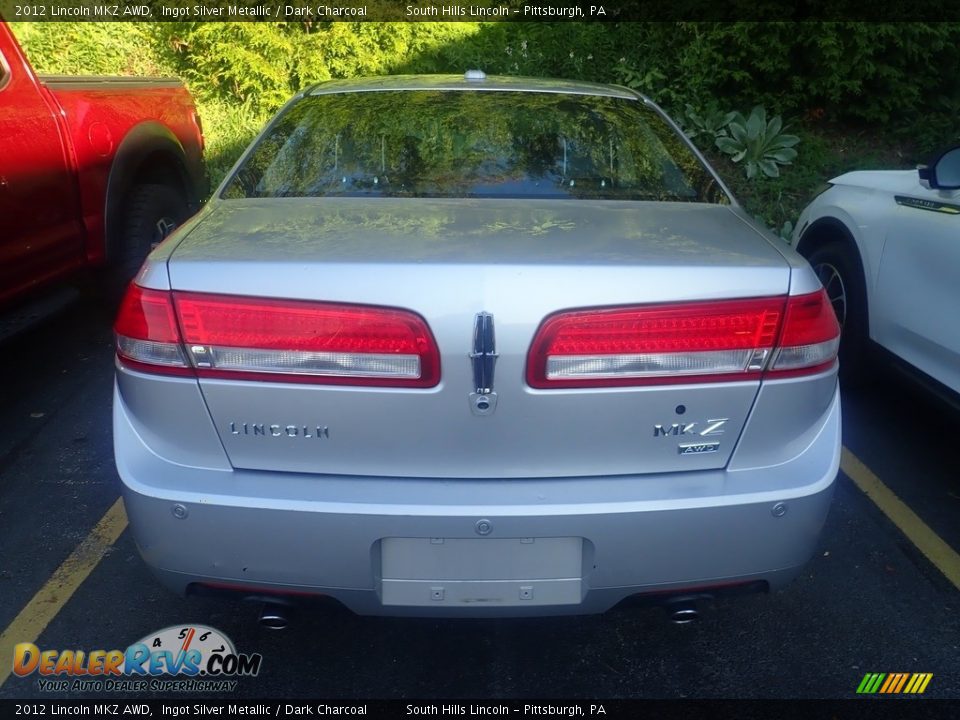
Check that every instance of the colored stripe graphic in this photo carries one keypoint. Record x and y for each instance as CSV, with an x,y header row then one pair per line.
x,y
870,683
894,683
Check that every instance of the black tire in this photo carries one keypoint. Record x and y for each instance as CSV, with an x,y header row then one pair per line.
x,y
150,213
841,273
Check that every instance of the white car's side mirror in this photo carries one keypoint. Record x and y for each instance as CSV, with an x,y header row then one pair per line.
x,y
944,173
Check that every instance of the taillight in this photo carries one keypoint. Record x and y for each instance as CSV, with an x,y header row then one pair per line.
x,y
147,334
810,338
296,341
684,342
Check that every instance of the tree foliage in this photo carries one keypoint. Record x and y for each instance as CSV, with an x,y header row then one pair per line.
x,y
873,72
896,75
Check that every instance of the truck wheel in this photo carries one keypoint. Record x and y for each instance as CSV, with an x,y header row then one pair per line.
x,y
842,277
151,213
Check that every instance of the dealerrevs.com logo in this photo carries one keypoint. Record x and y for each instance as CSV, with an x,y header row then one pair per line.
x,y
180,658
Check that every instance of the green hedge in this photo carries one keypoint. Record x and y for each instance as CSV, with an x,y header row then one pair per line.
x,y
868,71
895,73
898,76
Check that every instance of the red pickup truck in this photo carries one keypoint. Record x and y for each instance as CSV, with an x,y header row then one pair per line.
x,y
93,171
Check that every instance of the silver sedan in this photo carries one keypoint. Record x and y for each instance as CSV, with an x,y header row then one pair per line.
x,y
467,346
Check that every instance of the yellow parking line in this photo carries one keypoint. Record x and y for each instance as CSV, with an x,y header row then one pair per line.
x,y
50,599
917,531
61,586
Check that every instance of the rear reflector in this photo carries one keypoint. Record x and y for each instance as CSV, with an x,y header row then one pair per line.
x,y
281,340
684,342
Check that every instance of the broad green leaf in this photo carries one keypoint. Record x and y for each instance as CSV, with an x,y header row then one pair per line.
x,y
738,131
729,145
757,122
783,155
774,127
785,141
769,168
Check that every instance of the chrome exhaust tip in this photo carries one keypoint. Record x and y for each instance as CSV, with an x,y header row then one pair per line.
x,y
684,609
273,617
684,615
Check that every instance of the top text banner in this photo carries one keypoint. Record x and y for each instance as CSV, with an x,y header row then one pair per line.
x,y
480,10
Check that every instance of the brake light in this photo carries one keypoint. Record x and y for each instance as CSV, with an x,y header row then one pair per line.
x,y
224,336
147,334
693,342
810,338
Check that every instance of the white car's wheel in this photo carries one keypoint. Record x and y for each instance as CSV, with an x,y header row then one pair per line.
x,y
842,277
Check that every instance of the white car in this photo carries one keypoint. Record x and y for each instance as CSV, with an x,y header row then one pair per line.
x,y
886,246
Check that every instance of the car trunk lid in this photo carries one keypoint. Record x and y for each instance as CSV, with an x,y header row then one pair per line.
x,y
448,260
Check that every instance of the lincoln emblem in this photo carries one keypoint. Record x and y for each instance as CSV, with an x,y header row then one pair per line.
x,y
483,400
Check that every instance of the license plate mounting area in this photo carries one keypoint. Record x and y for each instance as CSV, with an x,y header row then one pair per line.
x,y
505,572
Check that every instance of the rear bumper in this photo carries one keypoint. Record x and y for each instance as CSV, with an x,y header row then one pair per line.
x,y
287,532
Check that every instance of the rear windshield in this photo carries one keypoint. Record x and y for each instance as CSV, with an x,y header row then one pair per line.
x,y
444,143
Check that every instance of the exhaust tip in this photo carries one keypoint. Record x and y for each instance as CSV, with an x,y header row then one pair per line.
x,y
684,615
273,617
685,609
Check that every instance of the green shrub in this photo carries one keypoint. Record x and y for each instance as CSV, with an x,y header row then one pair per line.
x,y
896,77
758,144
109,48
246,62
874,72
707,125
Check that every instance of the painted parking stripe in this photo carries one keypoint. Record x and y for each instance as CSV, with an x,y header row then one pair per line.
x,y
917,531
50,599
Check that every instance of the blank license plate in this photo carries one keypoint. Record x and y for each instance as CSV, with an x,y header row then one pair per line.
x,y
494,571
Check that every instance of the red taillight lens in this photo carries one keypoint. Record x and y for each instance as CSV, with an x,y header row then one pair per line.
x,y
147,315
281,340
683,342
146,332
810,338
322,342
